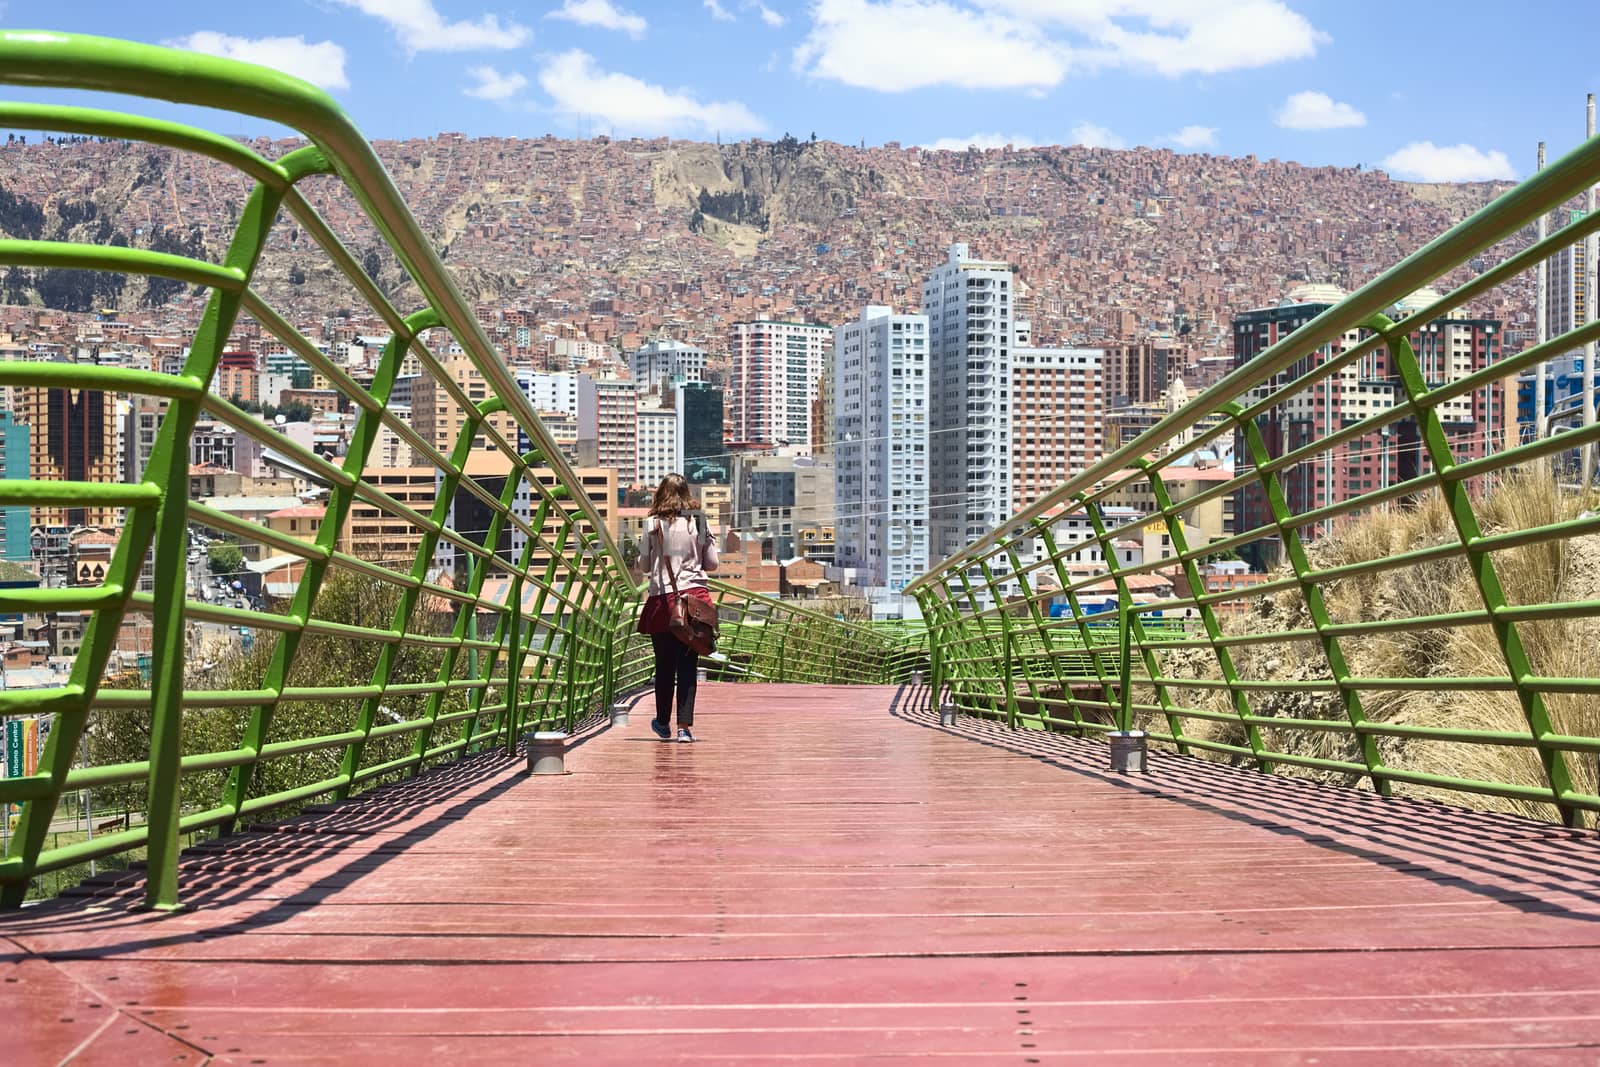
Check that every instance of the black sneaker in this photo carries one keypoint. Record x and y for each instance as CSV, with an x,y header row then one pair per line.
x,y
662,730
685,737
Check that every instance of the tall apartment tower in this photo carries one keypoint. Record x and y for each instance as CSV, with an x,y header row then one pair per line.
x,y
660,446
439,420
14,528
1567,303
658,364
880,447
777,367
1059,418
1447,349
567,405
75,435
1138,372
705,456
970,333
616,403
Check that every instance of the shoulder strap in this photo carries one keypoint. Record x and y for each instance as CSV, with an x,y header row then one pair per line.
x,y
665,558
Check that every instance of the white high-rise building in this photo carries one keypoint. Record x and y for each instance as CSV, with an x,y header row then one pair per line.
x,y
970,332
616,435
1567,303
660,446
777,370
551,392
657,364
571,395
880,418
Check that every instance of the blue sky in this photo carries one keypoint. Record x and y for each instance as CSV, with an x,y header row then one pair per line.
x,y
1308,80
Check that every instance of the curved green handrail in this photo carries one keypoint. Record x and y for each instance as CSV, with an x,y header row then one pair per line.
x,y
1418,627
559,618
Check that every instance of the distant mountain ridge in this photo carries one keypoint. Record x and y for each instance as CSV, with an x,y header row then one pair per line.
x,y
1109,242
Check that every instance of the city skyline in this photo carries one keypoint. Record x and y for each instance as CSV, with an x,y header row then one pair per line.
x,y
1291,79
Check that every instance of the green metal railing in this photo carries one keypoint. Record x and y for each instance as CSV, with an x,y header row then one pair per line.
x,y
1423,613
371,667
1432,632
763,639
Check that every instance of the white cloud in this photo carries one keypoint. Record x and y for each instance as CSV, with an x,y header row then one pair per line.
x,y
893,45
770,17
321,64
1195,137
1091,135
1425,161
625,103
912,44
601,13
980,140
421,28
1317,111
1176,37
718,12
492,85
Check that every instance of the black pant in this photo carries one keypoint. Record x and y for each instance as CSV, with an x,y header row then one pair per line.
x,y
675,662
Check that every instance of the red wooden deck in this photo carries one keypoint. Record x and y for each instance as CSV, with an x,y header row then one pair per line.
x,y
828,876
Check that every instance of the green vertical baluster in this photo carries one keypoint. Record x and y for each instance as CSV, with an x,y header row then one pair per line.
x,y
1131,633
515,652
962,639
979,622
366,433
1041,629
1316,605
1483,569
935,649
502,627
210,339
1208,617
557,560
1080,623
1007,644
466,626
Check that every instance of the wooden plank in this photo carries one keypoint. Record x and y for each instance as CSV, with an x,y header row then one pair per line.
x,y
828,875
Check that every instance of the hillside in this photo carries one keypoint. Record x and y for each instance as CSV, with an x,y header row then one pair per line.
x,y
634,237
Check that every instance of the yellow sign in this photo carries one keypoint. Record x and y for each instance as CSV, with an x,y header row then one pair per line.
x,y
91,571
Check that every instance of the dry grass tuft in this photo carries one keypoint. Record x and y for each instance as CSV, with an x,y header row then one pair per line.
x,y
1562,570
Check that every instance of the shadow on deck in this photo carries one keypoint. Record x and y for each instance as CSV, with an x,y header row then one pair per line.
x,y
829,875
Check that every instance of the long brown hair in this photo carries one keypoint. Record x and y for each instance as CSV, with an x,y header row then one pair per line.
x,y
673,498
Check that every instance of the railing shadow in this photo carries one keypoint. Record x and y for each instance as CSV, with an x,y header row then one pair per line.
x,y
232,870
1528,865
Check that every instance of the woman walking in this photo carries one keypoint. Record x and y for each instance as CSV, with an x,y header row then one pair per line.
x,y
677,552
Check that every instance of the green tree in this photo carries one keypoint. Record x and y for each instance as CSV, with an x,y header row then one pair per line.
x,y
123,735
224,558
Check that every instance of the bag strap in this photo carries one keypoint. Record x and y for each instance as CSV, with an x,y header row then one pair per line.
x,y
666,559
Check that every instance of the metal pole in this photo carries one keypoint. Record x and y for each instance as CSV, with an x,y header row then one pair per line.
x,y
1591,249
5,807
1541,315
88,806
1125,640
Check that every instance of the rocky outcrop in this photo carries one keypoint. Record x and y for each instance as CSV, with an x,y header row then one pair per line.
x,y
760,185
